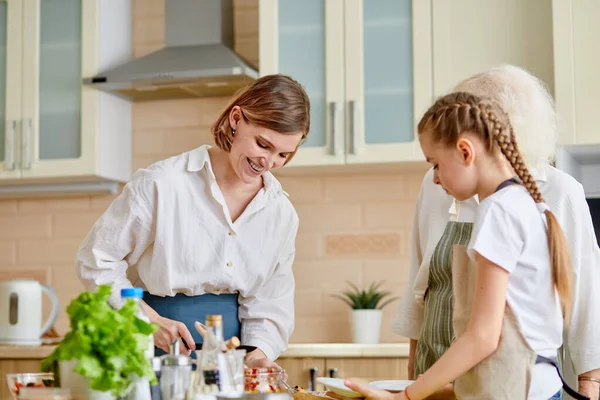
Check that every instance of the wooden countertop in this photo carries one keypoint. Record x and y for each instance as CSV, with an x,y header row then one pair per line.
x,y
346,350
25,352
298,350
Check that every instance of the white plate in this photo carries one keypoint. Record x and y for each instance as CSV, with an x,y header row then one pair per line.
x,y
391,386
337,386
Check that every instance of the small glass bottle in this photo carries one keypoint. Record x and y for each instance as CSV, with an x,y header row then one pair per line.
x,y
214,365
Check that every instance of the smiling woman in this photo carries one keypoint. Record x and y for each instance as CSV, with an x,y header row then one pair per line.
x,y
211,231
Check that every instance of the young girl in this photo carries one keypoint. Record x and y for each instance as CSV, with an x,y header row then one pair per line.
x,y
513,290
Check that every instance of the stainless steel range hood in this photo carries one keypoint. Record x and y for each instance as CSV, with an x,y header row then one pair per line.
x,y
197,61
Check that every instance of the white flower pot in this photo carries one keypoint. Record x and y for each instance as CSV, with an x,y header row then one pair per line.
x,y
78,384
366,326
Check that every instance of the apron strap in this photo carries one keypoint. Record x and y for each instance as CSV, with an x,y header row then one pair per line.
x,y
508,182
570,391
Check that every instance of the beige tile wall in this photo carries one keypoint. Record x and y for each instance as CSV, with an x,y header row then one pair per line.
x,y
353,226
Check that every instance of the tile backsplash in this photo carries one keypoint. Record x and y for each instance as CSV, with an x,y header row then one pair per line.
x,y
353,226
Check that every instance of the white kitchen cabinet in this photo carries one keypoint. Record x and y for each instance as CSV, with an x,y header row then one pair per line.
x,y
366,66
10,85
55,129
576,66
471,36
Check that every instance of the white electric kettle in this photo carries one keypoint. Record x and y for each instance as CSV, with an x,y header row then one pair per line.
x,y
21,312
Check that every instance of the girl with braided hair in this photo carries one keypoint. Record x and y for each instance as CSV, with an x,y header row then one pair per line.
x,y
523,264
425,313
511,284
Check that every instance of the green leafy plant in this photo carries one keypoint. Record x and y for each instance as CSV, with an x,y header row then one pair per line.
x,y
366,299
109,344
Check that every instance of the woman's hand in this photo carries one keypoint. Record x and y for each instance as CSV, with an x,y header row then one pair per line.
x,y
258,359
168,331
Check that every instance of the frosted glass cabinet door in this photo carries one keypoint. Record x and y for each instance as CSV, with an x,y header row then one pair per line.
x,y
52,123
303,39
10,87
59,92
380,80
388,78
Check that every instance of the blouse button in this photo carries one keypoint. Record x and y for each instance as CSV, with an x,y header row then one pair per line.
x,y
229,264
230,233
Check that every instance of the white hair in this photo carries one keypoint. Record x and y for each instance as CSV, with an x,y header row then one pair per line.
x,y
528,104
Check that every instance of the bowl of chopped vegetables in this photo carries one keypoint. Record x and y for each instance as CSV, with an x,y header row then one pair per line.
x,y
34,380
264,380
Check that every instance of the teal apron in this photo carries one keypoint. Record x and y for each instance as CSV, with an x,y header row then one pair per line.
x,y
189,309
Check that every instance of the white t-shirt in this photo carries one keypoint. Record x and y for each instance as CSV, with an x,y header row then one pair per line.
x,y
510,231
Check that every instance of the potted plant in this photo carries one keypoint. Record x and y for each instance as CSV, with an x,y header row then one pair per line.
x,y
105,349
366,311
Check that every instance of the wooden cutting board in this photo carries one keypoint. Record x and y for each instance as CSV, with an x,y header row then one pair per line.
x,y
311,396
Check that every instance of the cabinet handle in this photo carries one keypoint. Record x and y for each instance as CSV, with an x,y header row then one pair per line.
x,y
9,143
333,125
312,381
333,372
27,143
353,123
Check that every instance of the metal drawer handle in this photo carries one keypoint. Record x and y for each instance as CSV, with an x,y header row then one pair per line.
x,y
312,381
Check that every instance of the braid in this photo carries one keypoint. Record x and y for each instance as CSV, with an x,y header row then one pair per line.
x,y
457,113
451,115
501,131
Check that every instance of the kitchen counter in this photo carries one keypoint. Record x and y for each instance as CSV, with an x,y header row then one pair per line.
x,y
346,350
298,350
25,352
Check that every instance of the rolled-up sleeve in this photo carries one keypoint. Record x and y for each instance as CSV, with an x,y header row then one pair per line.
x,y
409,316
117,240
268,315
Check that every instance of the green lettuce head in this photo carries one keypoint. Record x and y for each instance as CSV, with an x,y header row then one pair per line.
x,y
109,344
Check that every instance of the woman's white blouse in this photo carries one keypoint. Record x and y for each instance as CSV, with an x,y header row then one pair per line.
x,y
170,232
566,199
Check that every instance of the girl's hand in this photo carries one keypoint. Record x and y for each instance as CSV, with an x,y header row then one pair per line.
x,y
369,393
168,331
445,394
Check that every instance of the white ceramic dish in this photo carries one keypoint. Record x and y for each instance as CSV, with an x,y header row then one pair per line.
x,y
391,386
337,386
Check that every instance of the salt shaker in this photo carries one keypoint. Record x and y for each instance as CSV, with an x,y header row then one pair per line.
x,y
175,376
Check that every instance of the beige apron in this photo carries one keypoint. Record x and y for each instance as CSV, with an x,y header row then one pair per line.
x,y
506,374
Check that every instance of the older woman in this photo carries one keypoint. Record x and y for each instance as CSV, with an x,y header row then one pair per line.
x,y
425,312
211,231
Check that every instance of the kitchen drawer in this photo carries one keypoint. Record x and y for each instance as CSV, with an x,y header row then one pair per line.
x,y
303,371
14,366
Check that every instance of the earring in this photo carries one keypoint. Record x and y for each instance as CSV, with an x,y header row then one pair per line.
x,y
232,132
